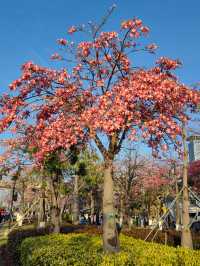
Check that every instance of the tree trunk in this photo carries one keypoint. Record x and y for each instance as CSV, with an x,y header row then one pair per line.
x,y
55,220
98,205
22,195
121,210
75,215
177,207
92,203
126,216
92,206
42,211
55,210
11,204
110,235
186,237
62,208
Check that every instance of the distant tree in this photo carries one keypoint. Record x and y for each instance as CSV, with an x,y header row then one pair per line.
x,y
127,172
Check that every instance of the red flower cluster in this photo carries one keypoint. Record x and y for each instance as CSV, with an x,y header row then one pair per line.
x,y
168,64
72,29
135,27
62,42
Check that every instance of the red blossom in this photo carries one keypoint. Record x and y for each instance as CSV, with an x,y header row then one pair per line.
x,y
72,29
151,47
56,56
144,29
168,64
62,42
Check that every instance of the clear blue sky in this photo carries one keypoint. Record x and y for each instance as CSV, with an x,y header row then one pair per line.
x,y
29,30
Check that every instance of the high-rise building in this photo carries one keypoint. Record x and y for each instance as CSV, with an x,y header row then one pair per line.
x,y
194,148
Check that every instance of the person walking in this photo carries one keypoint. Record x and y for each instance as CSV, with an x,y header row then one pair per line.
x,y
19,218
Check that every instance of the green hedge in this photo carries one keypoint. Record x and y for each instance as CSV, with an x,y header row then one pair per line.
x,y
173,236
83,249
16,237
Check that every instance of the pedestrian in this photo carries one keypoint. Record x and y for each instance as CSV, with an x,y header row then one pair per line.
x,y
19,218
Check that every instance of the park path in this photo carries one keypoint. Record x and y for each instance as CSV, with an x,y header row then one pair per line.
x,y
3,241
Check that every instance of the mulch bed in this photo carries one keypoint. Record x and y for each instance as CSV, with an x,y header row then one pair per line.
x,y
5,259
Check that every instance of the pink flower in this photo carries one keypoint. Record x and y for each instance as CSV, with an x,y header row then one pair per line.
x,y
152,46
144,29
56,56
72,29
62,42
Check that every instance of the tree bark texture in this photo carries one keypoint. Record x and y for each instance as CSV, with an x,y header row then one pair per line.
x,y
110,235
186,237
75,214
177,206
42,210
55,210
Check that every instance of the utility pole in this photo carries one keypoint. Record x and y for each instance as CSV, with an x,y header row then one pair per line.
x,y
186,237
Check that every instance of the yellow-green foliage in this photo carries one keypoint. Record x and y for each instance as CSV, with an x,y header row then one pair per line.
x,y
81,250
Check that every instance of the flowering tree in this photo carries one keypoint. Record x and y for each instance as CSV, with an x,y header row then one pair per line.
x,y
152,184
99,97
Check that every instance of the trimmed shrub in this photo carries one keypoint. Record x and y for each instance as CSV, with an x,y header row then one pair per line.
x,y
83,249
59,249
16,237
173,237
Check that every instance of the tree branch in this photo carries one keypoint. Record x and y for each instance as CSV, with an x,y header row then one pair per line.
x,y
101,146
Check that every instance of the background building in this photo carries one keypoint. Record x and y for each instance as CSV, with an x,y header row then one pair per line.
x,y
194,148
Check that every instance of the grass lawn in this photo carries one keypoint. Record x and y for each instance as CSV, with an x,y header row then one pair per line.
x,y
3,234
